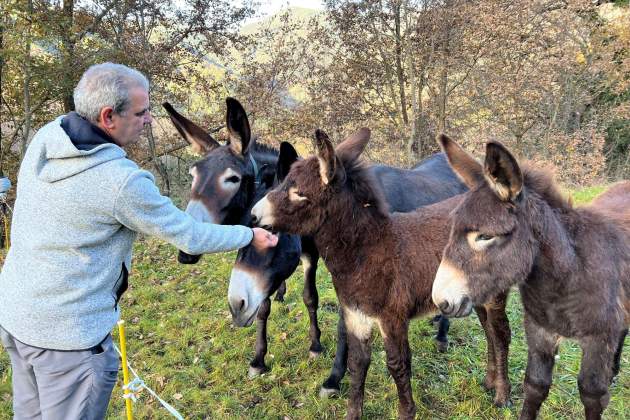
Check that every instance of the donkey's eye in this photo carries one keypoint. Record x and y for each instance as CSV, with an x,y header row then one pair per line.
x,y
480,241
483,237
294,195
233,179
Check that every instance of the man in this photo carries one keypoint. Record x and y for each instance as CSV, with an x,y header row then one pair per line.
x,y
79,204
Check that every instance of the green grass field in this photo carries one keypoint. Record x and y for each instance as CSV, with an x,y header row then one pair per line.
x,y
182,343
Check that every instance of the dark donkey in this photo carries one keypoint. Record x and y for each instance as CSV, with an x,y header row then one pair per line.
x,y
256,276
225,182
267,268
572,266
382,265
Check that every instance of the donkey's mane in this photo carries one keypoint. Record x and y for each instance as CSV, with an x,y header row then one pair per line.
x,y
265,148
363,186
264,153
541,181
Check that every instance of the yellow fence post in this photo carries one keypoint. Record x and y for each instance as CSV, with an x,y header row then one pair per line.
x,y
123,354
6,231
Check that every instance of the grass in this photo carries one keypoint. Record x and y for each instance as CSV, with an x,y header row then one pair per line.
x,y
182,343
585,195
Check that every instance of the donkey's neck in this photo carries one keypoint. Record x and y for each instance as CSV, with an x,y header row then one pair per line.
x,y
579,271
264,155
556,258
351,236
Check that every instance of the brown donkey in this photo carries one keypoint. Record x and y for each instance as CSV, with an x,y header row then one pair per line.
x,y
572,266
382,264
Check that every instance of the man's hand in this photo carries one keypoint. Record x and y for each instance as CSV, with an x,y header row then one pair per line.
x,y
263,239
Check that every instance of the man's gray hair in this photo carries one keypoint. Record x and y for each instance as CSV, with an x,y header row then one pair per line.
x,y
106,84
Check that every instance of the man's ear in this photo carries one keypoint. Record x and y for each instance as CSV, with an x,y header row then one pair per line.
x,y
105,117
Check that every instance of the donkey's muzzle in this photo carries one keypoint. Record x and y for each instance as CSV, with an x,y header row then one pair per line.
x,y
458,309
184,258
262,214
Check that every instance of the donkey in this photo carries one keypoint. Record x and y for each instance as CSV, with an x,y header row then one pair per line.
x,y
256,276
382,264
225,182
572,266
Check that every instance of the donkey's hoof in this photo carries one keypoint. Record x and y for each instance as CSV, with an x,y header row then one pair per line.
x,y
279,298
256,371
325,393
488,387
442,346
502,403
312,354
488,384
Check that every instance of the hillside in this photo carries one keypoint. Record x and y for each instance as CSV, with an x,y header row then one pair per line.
x,y
273,21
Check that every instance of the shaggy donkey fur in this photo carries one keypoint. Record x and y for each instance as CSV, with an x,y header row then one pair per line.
x,y
572,266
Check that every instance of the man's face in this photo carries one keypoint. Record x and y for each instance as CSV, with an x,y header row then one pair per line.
x,y
126,129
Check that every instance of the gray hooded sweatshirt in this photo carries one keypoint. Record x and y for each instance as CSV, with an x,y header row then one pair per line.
x,y
75,219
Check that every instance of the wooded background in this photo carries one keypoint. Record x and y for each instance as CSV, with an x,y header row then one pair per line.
x,y
551,79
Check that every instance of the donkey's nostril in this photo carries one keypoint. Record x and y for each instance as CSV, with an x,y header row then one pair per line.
x,y
465,307
240,309
444,306
254,219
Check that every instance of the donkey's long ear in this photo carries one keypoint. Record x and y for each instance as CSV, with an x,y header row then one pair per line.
x,y
329,167
238,126
287,157
464,165
502,172
201,141
353,146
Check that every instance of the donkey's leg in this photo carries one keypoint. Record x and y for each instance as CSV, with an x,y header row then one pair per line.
x,y
399,365
282,290
359,329
442,335
491,369
500,330
331,386
541,349
617,360
435,321
257,365
360,352
309,259
596,371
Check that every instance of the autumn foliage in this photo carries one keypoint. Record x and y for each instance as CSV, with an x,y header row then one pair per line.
x,y
551,79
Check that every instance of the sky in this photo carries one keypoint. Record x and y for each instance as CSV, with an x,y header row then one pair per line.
x,y
269,7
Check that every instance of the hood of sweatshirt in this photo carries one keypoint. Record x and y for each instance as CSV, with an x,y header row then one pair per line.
x,y
71,145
